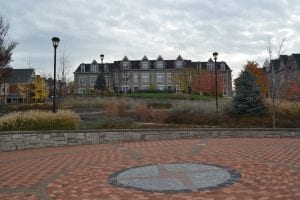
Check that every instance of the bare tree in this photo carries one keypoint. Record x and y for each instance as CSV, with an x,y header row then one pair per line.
x,y
64,71
65,67
275,85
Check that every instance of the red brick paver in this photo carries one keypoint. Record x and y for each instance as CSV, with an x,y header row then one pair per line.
x,y
269,168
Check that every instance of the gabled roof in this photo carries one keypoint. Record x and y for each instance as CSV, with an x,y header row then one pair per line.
x,y
179,58
159,58
283,58
21,76
145,58
125,58
297,59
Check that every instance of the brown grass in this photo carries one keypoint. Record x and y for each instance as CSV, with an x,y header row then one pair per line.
x,y
39,120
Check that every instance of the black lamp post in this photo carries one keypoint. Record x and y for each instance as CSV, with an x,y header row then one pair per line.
x,y
215,55
55,41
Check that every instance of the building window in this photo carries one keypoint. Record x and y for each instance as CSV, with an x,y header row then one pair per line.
x,y
82,81
145,65
145,87
169,77
222,67
94,68
145,77
81,91
160,87
210,66
159,65
160,77
125,88
125,65
82,68
178,64
93,80
135,77
125,77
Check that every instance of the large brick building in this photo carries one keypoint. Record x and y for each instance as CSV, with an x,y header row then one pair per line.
x,y
286,74
136,75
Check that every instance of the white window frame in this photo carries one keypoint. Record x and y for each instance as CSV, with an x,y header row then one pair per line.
x,y
160,77
145,77
93,80
160,87
82,68
125,77
81,90
82,80
125,88
125,65
94,68
145,65
179,64
135,77
169,77
159,65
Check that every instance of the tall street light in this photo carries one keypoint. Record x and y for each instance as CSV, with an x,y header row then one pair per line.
x,y
215,55
55,41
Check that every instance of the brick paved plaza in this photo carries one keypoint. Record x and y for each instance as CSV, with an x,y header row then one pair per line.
x,y
268,168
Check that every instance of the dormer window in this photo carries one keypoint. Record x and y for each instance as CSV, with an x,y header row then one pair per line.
x,y
94,68
82,68
125,65
159,65
145,65
178,64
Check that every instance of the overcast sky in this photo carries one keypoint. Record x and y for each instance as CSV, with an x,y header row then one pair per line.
x,y
237,29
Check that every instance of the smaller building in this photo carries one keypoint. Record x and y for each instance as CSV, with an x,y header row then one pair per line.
x,y
17,89
286,75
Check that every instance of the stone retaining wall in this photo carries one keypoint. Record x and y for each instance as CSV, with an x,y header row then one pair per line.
x,y
11,141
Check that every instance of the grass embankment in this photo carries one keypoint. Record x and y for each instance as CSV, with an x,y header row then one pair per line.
x,y
168,96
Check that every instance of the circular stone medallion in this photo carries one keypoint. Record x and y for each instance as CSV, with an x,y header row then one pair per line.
x,y
175,177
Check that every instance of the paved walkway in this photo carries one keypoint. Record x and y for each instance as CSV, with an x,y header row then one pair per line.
x,y
269,169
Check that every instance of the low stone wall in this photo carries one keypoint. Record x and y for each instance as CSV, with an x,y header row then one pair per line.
x,y
10,141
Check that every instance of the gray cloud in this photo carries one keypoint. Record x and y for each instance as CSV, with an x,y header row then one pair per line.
x,y
238,30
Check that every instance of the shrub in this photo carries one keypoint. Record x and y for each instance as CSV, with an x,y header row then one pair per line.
x,y
114,122
39,120
143,113
83,102
111,107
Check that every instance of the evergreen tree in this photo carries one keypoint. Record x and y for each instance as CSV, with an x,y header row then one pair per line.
x,y
100,83
248,99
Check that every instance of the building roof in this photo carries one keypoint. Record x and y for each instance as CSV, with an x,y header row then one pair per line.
x,y
136,64
21,76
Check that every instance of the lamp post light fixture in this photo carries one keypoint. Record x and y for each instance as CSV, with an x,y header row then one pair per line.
x,y
215,55
101,57
55,41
